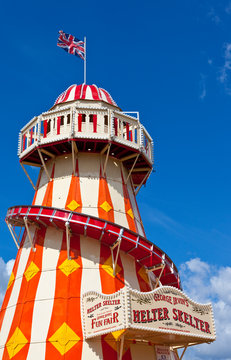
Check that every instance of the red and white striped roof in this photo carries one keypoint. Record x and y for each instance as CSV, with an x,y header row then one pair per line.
x,y
85,92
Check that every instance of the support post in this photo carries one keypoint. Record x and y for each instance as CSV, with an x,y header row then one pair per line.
x,y
28,233
116,244
105,163
28,176
181,357
44,165
121,347
129,174
12,234
74,151
47,153
68,232
144,179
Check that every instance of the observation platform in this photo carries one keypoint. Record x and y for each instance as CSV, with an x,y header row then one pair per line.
x,y
83,121
112,235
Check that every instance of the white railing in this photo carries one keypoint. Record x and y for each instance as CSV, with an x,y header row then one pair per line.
x,y
89,123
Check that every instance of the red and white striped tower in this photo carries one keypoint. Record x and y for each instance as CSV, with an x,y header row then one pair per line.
x,y
83,230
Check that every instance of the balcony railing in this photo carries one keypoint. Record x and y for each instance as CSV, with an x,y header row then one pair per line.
x,y
85,123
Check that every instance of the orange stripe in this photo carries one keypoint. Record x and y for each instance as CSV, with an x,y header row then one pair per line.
x,y
74,192
25,305
37,186
105,206
110,285
47,201
128,207
9,290
67,302
142,278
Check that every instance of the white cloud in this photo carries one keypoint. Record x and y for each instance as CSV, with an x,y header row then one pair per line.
x,y
214,16
203,91
5,271
208,283
225,71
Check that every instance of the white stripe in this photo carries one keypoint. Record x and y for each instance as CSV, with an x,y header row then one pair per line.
x,y
129,266
88,95
90,254
45,294
135,210
72,94
62,180
103,96
89,183
11,307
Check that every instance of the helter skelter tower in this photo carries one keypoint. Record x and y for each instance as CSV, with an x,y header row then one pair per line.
x,y
83,262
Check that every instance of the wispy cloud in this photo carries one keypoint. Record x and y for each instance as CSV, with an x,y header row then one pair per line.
x,y
205,283
212,14
5,271
202,86
225,71
228,8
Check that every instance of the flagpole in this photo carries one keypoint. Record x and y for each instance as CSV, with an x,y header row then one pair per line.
x,y
85,60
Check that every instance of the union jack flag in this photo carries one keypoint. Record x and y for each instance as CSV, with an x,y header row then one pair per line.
x,y
71,44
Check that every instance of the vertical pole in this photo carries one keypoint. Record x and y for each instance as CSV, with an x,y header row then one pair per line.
x,y
85,60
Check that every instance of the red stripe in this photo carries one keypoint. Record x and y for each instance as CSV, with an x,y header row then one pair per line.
x,y
67,302
84,91
107,96
77,92
45,128
94,92
9,290
58,124
68,93
25,304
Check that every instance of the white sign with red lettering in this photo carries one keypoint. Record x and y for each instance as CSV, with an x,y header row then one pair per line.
x,y
165,310
103,313
162,352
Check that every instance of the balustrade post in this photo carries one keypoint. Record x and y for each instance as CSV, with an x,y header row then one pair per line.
x,y
39,129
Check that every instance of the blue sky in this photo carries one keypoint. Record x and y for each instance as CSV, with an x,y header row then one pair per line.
x,y
171,61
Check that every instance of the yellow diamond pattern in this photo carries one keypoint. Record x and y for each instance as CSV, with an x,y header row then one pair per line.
x,y
31,271
142,272
16,343
73,205
11,280
64,339
117,334
130,213
112,341
107,266
105,206
68,266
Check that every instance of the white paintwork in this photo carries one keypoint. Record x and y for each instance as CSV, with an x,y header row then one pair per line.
x,y
44,299
139,351
129,266
11,307
89,167
90,253
135,210
62,180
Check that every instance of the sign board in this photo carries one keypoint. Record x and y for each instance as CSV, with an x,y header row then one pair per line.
x,y
163,310
103,313
167,309
162,352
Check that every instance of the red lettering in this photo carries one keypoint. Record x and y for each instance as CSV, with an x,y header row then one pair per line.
x,y
115,317
197,320
175,317
180,318
160,317
207,328
191,323
136,316
148,316
166,317
154,314
186,318
143,314
202,325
